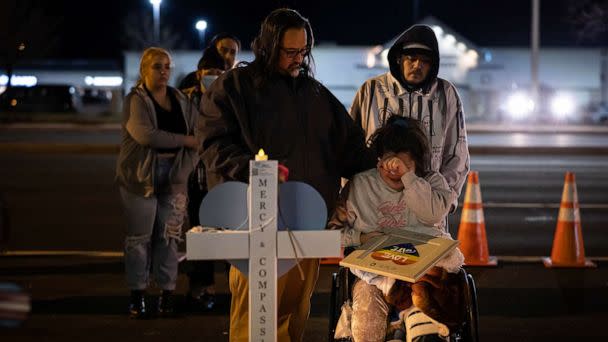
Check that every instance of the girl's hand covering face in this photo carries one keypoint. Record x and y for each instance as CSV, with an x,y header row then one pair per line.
x,y
392,166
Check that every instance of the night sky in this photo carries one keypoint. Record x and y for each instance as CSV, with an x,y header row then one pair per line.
x,y
95,29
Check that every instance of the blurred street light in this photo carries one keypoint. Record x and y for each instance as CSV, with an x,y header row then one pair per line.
x,y
19,80
156,9
534,50
563,106
201,26
519,106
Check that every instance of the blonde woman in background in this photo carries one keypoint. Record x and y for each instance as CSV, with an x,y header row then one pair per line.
x,y
157,153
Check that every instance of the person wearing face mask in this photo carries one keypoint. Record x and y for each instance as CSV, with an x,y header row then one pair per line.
x,y
412,89
157,154
201,293
209,67
275,103
227,46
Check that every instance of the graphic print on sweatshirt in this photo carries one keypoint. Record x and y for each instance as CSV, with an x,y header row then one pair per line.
x,y
391,214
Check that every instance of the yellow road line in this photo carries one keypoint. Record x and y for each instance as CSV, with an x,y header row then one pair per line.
x,y
96,254
17,147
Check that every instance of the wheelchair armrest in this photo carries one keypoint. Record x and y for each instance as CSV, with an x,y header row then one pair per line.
x,y
469,330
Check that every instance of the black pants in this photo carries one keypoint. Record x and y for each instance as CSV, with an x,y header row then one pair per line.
x,y
200,272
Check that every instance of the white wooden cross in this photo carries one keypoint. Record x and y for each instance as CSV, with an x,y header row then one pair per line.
x,y
262,245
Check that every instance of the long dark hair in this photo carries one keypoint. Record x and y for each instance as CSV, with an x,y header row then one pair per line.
x,y
267,45
401,134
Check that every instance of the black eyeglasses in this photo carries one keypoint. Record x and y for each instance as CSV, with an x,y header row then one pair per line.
x,y
292,53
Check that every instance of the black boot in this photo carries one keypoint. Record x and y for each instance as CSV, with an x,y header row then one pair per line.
x,y
166,304
201,303
137,305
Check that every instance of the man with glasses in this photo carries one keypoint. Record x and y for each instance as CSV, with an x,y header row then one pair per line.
x,y
274,103
411,88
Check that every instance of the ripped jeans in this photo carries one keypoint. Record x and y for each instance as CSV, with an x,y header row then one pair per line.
x,y
154,226
370,318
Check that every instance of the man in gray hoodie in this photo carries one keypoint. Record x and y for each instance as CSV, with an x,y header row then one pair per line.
x,y
412,89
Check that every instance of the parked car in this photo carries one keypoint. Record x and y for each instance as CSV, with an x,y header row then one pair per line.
x,y
41,98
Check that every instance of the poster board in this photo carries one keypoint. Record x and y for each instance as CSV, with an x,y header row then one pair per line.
x,y
400,254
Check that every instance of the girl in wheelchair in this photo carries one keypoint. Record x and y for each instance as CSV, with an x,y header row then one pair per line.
x,y
400,193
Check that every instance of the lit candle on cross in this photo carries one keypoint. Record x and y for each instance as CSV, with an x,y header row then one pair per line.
x,y
263,245
261,155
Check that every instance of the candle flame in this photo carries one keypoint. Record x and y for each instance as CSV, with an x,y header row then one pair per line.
x,y
261,155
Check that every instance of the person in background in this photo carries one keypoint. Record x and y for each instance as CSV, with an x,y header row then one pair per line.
x,y
412,89
227,45
201,293
275,103
209,67
157,154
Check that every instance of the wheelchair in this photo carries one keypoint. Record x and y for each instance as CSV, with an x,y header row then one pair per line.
x,y
342,283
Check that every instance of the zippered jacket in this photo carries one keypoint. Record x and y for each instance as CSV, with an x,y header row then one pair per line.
x,y
435,103
297,121
141,137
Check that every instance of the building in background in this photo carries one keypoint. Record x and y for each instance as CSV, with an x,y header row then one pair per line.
x,y
493,82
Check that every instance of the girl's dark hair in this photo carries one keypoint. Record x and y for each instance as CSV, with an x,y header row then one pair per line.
x,y
211,59
267,45
401,134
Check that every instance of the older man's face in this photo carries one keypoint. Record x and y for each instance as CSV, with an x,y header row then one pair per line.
x,y
294,47
416,67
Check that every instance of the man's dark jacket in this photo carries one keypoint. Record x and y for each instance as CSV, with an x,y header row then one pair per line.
x,y
297,121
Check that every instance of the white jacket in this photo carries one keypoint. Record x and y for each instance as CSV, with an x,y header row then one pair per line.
x,y
436,104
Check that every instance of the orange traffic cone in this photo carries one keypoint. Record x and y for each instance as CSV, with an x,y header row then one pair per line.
x,y
568,247
472,229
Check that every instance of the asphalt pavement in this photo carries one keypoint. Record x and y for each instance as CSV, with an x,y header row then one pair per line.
x,y
82,297
85,299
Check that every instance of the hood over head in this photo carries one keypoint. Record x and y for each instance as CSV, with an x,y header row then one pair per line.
x,y
417,39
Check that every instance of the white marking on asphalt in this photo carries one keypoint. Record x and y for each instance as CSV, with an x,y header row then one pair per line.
x,y
540,161
535,259
538,218
540,205
18,307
